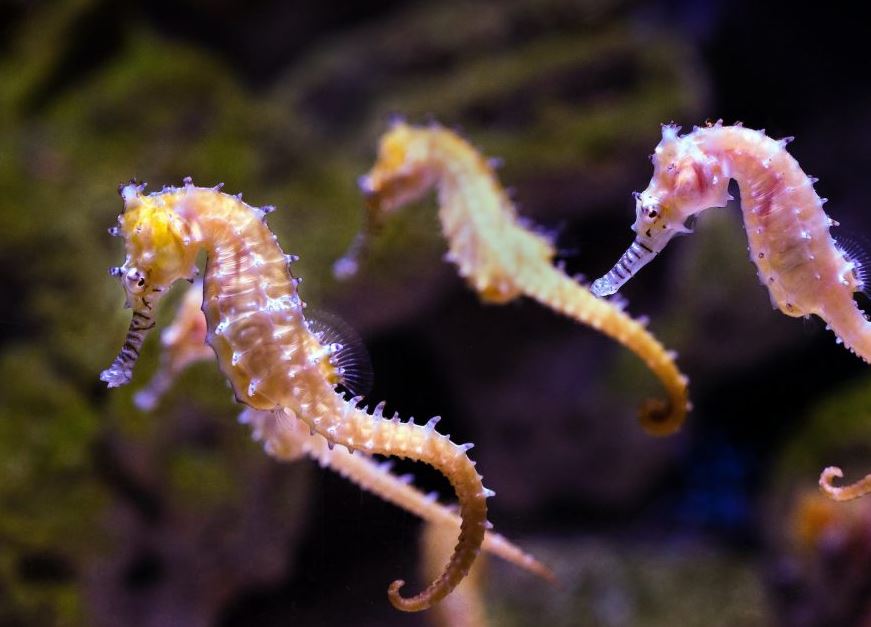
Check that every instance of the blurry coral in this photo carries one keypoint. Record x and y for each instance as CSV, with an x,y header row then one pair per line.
x,y
820,576
611,580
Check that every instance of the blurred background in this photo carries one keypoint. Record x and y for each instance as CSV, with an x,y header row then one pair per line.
x,y
109,516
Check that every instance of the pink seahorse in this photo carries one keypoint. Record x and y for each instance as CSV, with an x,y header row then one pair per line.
x,y
805,270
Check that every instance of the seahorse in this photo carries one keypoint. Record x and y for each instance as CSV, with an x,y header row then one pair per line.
x,y
496,254
287,438
258,332
803,267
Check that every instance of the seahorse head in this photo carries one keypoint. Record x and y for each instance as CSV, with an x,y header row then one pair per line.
x,y
159,252
685,182
403,171
402,174
158,241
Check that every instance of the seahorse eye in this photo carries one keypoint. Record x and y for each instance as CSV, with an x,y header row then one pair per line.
x,y
651,212
135,281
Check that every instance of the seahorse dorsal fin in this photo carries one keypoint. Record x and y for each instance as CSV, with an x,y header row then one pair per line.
x,y
857,250
350,359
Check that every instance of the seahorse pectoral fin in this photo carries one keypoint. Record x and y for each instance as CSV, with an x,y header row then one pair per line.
x,y
639,254
121,370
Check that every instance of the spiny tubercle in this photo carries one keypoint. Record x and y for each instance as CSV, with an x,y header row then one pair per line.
x,y
264,348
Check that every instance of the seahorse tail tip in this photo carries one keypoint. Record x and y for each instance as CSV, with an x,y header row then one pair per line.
x,y
848,492
544,572
829,473
662,418
417,603
424,600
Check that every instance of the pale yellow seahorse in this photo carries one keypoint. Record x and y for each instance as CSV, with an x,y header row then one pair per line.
x,y
499,257
264,347
287,439
805,270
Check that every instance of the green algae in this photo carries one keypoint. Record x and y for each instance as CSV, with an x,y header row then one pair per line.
x,y
616,583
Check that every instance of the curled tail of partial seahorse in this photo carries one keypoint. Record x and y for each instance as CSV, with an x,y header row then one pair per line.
x,y
555,289
852,328
356,430
849,324
849,492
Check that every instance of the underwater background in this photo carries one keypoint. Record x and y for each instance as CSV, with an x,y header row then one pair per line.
x,y
109,516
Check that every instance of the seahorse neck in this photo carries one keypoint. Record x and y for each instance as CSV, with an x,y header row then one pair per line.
x,y
783,216
759,164
464,176
479,221
249,298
